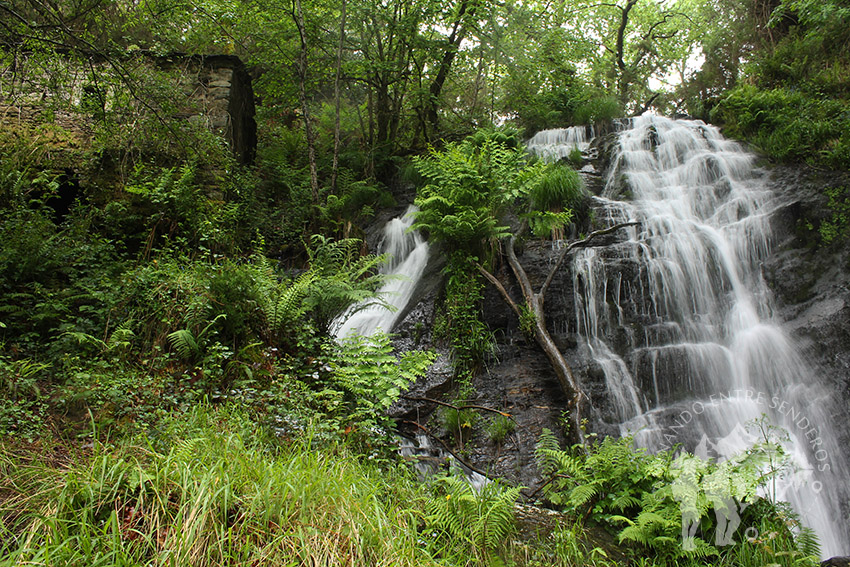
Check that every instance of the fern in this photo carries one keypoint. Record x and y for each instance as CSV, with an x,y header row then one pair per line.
x,y
284,305
188,346
545,451
808,542
372,377
184,343
471,522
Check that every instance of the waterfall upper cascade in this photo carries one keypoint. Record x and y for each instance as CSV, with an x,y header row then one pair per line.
x,y
408,256
680,321
558,143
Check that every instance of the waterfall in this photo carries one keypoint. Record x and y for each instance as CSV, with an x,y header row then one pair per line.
x,y
553,145
407,255
681,323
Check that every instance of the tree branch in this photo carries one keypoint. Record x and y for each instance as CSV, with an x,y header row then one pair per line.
x,y
452,406
447,449
493,280
578,244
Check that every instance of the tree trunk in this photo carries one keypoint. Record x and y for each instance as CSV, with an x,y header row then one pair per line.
x,y
335,165
305,108
456,37
622,70
534,306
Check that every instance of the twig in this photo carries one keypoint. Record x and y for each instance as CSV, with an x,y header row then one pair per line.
x,y
447,449
577,244
498,285
545,484
448,405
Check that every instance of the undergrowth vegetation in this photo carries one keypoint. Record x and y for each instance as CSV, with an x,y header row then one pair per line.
x,y
678,508
208,488
794,103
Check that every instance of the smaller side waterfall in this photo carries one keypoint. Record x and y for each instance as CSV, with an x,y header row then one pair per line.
x,y
552,145
408,256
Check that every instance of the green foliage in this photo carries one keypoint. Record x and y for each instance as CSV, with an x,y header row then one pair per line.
x,y
459,422
468,523
571,550
343,278
178,212
789,125
575,158
554,199
188,346
609,478
559,188
208,489
283,306
469,336
549,224
795,105
53,278
649,499
500,427
470,185
372,377
357,200
836,227
23,403
598,110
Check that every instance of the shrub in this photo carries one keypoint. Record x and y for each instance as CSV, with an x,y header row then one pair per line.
x,y
648,497
559,188
788,125
599,109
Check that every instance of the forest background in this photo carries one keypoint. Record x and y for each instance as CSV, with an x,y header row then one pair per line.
x,y
171,392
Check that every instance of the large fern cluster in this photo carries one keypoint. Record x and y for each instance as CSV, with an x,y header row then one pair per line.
x,y
671,506
469,186
608,477
371,377
468,522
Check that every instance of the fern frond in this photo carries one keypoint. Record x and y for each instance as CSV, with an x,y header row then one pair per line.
x,y
583,493
184,343
808,542
623,501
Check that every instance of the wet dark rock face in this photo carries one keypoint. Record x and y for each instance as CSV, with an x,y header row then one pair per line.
x,y
811,282
812,298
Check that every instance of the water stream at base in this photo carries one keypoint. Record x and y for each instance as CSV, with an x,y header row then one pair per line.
x,y
703,355
408,256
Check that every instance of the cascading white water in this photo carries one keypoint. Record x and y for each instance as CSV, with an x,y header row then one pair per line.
x,y
704,355
556,144
408,256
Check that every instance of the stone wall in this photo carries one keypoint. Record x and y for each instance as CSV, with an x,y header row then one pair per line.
x,y
38,92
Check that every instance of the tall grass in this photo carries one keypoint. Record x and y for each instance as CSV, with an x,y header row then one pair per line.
x,y
208,490
560,188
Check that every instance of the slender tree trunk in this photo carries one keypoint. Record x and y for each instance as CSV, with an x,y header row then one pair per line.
x,y
535,308
568,382
456,37
370,107
622,69
305,108
335,166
